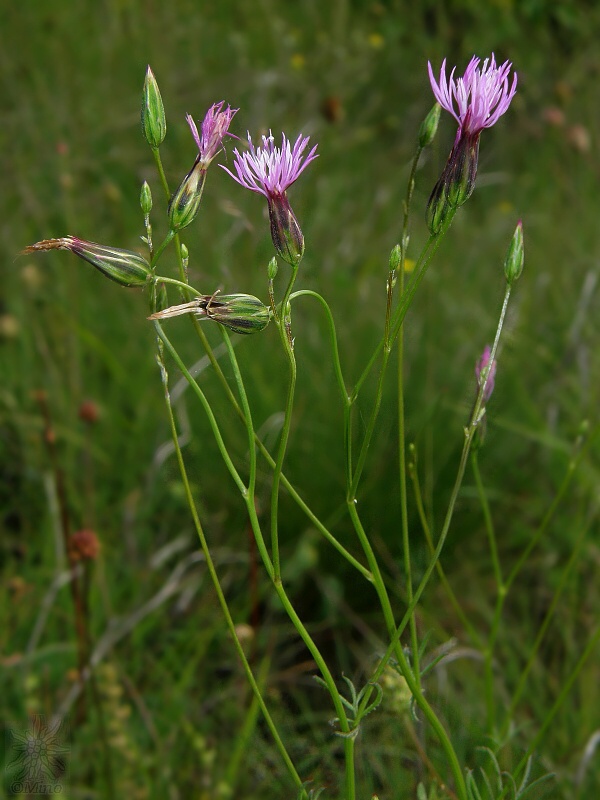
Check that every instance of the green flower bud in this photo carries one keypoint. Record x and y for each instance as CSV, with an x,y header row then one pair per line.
x,y
395,257
272,269
154,123
241,313
185,253
122,266
515,256
146,199
429,126
185,203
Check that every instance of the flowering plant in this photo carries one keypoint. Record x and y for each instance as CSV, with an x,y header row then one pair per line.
x,y
476,101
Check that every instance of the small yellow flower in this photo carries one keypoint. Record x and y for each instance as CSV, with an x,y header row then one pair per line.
x,y
504,207
376,41
297,61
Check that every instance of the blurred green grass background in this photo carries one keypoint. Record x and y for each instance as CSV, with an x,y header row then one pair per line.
x,y
352,75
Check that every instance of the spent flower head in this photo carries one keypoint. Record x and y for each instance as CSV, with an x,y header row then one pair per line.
x,y
213,129
271,170
479,98
122,266
241,313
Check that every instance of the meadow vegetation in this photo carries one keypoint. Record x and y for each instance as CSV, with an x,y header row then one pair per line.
x,y
83,428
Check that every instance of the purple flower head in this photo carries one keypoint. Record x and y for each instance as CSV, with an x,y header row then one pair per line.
x,y
268,169
476,101
481,95
212,131
481,375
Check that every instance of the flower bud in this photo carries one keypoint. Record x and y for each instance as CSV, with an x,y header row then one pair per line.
x,y
395,258
154,123
429,126
122,266
146,199
515,256
272,269
285,231
185,203
485,372
241,313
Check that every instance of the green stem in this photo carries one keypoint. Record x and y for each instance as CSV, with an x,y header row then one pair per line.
x,y
362,455
413,472
161,248
430,249
487,516
564,692
396,323
469,432
323,530
284,331
393,648
161,172
243,742
270,565
346,402
165,185
217,585
405,668
501,595
181,284
547,619
333,338
401,415
208,410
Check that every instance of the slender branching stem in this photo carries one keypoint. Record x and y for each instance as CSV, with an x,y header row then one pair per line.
x,y
401,416
500,594
287,342
208,410
217,584
181,284
270,564
466,623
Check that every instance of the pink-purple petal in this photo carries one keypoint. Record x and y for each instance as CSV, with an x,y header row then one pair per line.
x,y
477,99
213,129
268,169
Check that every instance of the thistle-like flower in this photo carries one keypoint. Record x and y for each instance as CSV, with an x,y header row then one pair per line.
x,y
270,171
213,129
476,101
185,203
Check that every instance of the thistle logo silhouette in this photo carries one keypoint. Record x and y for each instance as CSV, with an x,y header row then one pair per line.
x,y
39,757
